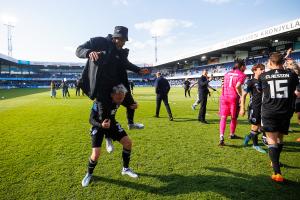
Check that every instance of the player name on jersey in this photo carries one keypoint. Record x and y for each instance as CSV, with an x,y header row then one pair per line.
x,y
271,76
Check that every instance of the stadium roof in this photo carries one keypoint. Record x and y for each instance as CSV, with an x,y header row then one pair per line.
x,y
288,31
42,63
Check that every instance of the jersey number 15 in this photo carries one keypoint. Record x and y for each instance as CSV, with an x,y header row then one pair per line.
x,y
278,91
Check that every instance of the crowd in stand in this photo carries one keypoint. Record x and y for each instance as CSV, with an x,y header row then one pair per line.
x,y
140,81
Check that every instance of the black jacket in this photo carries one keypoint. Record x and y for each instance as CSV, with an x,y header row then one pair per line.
x,y
203,85
106,72
162,86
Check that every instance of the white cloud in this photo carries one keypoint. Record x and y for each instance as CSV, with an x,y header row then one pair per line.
x,y
162,27
140,45
9,19
69,49
218,2
120,2
170,40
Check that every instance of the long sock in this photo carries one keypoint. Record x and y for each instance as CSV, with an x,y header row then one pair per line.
x,y
126,157
255,140
274,156
253,135
222,126
130,115
280,146
91,166
233,124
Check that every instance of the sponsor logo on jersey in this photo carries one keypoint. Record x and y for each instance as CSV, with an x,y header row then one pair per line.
x,y
233,74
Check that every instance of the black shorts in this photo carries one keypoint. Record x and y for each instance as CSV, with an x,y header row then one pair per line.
x,y
96,137
128,100
276,125
254,115
115,132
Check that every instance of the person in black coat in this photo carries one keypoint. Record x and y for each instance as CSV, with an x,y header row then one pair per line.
x,y
186,86
203,92
77,87
162,88
106,67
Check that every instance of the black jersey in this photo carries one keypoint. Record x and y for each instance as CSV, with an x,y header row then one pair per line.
x,y
278,88
252,87
99,112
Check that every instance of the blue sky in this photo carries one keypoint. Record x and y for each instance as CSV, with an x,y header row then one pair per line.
x,y
51,30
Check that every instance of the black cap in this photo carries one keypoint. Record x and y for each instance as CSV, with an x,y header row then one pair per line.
x,y
121,31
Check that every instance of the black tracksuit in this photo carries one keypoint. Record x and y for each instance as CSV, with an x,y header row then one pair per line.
x,y
77,89
187,89
202,96
162,88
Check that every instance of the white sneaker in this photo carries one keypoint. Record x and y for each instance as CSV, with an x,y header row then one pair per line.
x,y
136,126
193,107
129,172
86,180
109,145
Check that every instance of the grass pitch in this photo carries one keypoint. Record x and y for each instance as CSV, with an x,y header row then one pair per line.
x,y
45,145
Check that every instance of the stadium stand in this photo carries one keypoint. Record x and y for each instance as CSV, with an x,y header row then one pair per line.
x,y
217,59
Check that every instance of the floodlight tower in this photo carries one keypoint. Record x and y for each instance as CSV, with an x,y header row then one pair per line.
x,y
9,38
155,48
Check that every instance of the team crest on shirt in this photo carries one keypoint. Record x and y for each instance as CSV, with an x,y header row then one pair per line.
x,y
93,132
114,111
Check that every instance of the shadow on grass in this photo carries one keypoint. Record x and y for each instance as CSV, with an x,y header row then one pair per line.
x,y
145,95
289,166
295,127
227,183
295,124
217,121
210,121
234,146
209,110
291,146
181,119
18,92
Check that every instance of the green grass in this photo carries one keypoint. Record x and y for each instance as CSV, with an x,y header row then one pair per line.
x,y
13,93
45,145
